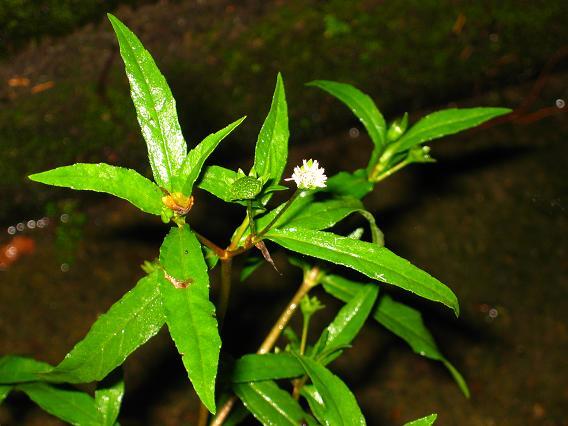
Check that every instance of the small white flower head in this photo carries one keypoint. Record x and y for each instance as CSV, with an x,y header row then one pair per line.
x,y
309,175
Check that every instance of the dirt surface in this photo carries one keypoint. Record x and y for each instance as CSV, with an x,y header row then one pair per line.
x,y
489,219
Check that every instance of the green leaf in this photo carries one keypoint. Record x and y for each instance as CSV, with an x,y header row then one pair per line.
x,y
255,367
341,407
424,421
19,369
189,313
271,149
108,400
4,391
347,323
446,122
71,406
217,180
376,262
271,405
308,214
377,235
128,324
407,324
155,107
191,167
363,107
118,181
353,184
400,319
324,214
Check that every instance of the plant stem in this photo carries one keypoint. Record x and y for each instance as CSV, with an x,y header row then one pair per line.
x,y
304,338
239,233
203,415
311,279
226,267
390,171
280,213
218,250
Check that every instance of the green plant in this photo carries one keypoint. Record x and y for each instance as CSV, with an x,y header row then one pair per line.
x,y
175,290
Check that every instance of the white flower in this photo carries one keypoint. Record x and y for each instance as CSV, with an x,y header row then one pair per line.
x,y
309,175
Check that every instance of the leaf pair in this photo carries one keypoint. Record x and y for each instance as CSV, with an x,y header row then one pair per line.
x,y
433,126
398,318
330,399
71,405
174,169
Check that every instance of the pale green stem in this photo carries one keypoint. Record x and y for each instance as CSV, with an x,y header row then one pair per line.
x,y
311,279
280,213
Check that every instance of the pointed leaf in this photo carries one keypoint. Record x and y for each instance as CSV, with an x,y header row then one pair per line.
x,y
255,367
217,180
308,214
271,405
341,407
424,421
271,149
118,181
4,391
347,323
368,258
155,106
19,369
191,167
400,319
407,323
72,406
446,122
189,313
353,184
363,107
108,400
128,324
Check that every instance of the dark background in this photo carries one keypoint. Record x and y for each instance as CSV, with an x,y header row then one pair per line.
x,y
489,219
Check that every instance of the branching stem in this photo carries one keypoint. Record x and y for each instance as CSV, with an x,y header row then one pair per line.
x,y
311,279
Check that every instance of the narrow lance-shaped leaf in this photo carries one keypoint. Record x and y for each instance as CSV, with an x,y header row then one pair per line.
x,y
271,405
341,407
72,406
155,106
347,323
376,262
191,167
407,323
189,313
363,107
108,399
217,181
4,391
402,320
128,324
353,184
306,213
118,181
424,421
256,367
446,122
271,149
19,369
